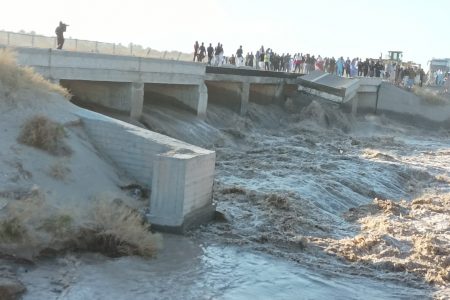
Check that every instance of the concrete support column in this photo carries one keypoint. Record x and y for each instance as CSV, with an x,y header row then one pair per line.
x,y
355,105
202,100
136,99
126,97
244,93
279,92
195,97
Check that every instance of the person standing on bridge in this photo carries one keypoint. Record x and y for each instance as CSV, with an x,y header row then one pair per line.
x,y
239,57
202,52
60,34
196,46
210,51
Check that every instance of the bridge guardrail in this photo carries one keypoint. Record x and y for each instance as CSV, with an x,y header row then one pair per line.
x,y
15,39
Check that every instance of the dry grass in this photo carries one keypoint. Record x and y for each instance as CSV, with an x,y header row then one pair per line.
x,y
59,171
12,230
42,133
113,229
14,77
118,230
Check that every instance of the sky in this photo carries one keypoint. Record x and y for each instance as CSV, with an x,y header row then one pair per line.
x,y
353,28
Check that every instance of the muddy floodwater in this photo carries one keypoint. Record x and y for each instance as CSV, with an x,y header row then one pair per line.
x,y
315,204
186,270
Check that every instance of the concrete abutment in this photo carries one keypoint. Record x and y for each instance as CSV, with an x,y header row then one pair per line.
x,y
179,175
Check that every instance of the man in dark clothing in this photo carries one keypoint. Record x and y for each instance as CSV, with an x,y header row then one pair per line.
x,y
366,67
332,65
378,68
251,58
312,65
217,52
422,76
210,51
202,52
196,46
60,34
360,68
371,68
347,67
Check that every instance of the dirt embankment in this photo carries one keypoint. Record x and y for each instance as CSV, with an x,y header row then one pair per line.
x,y
57,192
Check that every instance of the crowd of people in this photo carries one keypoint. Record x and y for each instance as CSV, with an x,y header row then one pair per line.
x,y
269,60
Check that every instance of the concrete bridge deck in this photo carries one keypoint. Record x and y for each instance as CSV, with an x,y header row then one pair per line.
x,y
180,175
328,86
125,82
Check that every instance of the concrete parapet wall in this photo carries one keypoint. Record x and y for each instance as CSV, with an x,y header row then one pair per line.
x,y
396,100
180,175
72,65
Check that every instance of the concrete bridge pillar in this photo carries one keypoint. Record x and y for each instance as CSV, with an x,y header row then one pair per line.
x,y
355,105
136,99
244,92
279,92
127,97
193,97
202,100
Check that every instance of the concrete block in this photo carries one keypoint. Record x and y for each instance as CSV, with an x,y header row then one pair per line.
x,y
182,186
180,175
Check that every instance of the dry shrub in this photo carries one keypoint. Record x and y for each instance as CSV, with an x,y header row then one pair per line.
x,y
42,133
14,77
59,171
18,231
34,227
12,230
233,190
118,230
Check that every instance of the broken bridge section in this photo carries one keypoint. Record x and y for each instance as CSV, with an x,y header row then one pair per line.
x,y
234,88
354,93
328,86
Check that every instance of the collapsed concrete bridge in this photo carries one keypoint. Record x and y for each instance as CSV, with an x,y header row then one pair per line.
x,y
126,82
180,175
